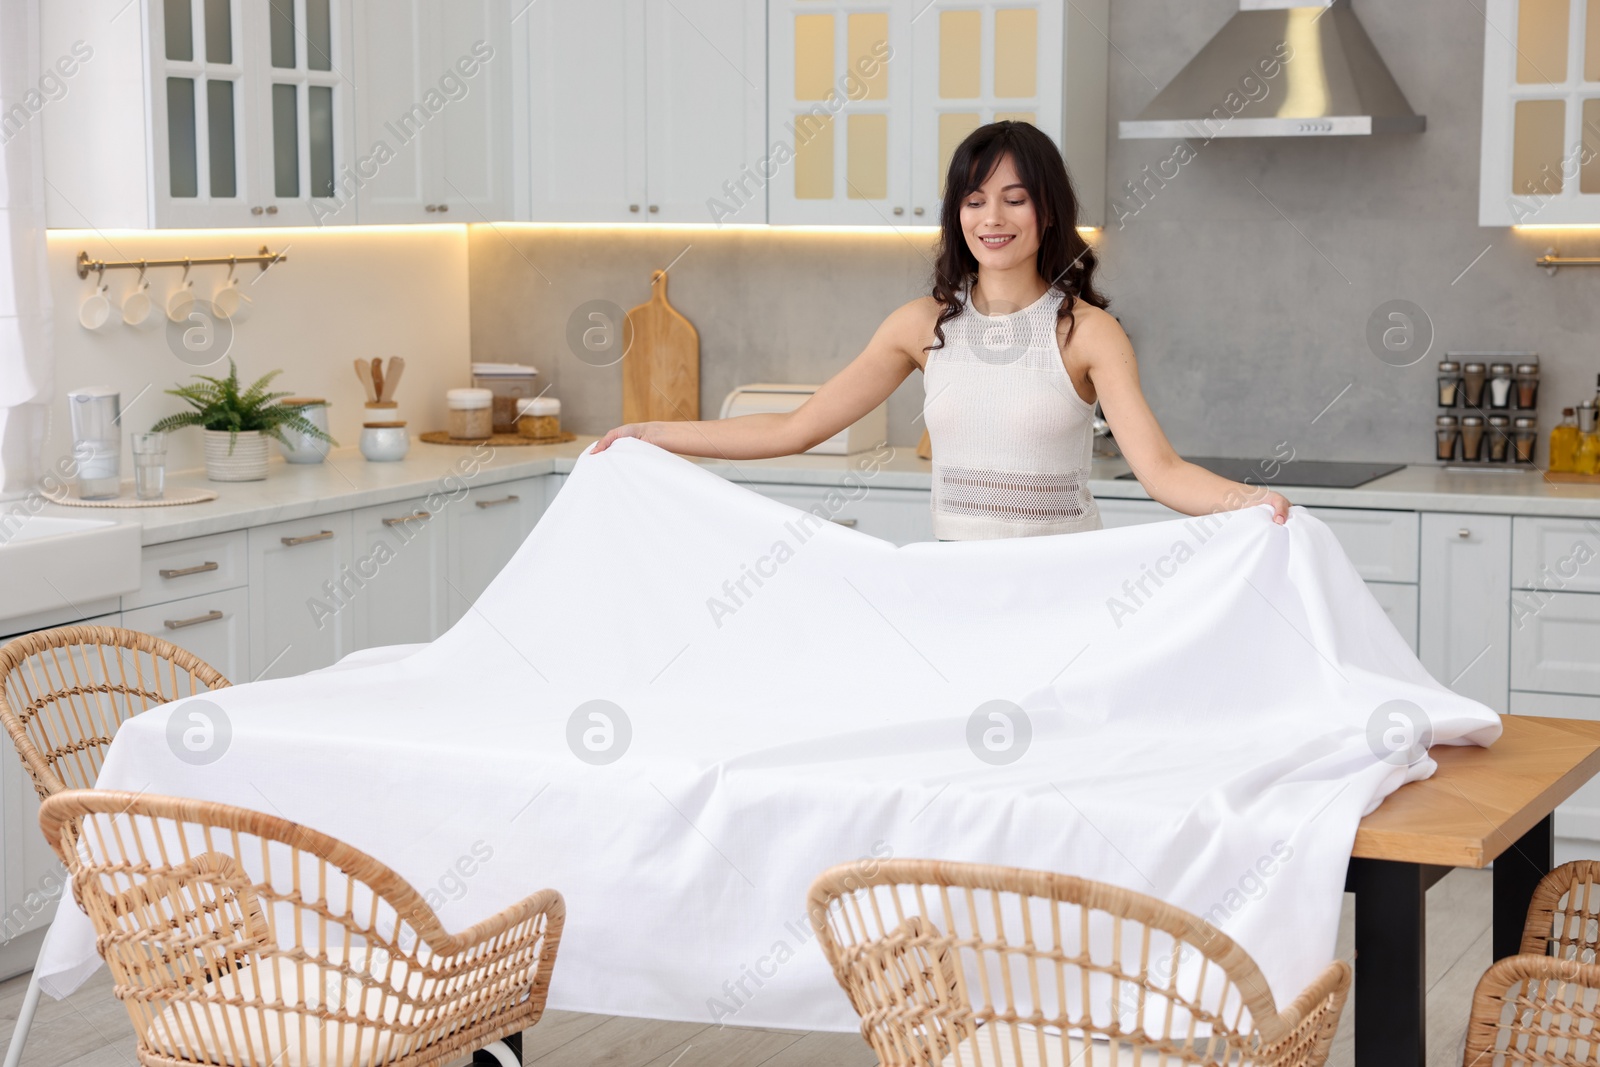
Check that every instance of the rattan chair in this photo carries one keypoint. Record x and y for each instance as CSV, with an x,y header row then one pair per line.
x,y
981,966
1542,1006
63,693
235,937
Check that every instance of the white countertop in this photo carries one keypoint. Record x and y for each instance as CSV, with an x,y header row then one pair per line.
x,y
347,481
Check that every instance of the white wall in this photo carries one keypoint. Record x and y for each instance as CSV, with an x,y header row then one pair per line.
x,y
340,294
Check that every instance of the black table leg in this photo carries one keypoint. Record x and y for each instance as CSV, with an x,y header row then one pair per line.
x,y
1391,957
1517,871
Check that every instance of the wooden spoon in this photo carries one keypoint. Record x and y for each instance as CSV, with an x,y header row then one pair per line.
x,y
364,372
377,378
391,381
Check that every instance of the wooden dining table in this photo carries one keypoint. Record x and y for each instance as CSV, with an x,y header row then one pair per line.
x,y
1483,805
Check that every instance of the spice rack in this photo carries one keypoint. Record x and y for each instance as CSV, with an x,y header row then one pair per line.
x,y
1486,417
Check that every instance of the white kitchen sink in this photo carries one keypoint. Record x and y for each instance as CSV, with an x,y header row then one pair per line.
x,y
50,563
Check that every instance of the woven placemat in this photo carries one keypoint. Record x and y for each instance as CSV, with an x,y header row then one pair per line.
x,y
173,498
502,440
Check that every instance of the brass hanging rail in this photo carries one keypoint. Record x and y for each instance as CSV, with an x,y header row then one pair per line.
x,y
86,265
1552,262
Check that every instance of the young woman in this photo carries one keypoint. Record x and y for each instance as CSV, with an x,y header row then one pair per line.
x,y
1015,346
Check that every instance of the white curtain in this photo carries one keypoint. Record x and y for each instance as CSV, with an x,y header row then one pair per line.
x,y
25,336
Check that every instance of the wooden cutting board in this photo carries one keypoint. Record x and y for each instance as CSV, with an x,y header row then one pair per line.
x,y
661,371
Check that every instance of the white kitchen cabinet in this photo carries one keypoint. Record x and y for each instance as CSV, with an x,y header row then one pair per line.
x,y
1556,648
487,525
900,516
401,558
1464,627
433,126
1554,555
1399,602
213,626
1540,115
1579,816
301,587
190,567
1382,545
1115,512
668,117
871,98
216,112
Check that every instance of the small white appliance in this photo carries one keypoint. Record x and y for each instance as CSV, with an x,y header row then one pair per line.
x,y
865,434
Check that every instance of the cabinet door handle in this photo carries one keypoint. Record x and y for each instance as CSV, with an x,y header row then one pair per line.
x,y
408,518
916,211
654,208
272,209
1463,533
180,572
633,207
256,210
496,503
899,211
430,208
444,207
325,535
844,522
178,624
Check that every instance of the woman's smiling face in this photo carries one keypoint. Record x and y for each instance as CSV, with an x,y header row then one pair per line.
x,y
999,221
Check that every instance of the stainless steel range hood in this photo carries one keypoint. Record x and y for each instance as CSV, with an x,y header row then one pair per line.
x,y
1282,68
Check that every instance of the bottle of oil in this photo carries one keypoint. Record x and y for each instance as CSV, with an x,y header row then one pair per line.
x,y
1564,443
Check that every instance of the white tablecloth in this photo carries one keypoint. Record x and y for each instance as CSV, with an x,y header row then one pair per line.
x,y
1207,704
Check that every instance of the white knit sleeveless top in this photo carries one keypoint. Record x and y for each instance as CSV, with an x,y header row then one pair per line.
x,y
1011,437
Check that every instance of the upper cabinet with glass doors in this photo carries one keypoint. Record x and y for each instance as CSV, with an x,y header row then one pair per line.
x,y
248,114
1541,113
869,98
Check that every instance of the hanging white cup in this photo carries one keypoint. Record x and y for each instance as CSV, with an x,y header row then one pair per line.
x,y
231,302
95,311
139,308
180,302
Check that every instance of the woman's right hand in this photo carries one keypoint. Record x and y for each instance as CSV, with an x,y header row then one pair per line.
x,y
632,429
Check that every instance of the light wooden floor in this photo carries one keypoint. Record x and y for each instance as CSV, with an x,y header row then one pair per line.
x,y
90,1029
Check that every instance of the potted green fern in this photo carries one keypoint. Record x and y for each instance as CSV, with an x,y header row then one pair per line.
x,y
237,423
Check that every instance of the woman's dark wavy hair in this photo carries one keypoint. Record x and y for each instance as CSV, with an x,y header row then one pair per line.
x,y
1065,259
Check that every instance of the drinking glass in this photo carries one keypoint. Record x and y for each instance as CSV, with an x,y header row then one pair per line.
x,y
149,465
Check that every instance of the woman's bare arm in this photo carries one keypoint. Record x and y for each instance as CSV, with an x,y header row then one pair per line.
x,y
1169,479
866,382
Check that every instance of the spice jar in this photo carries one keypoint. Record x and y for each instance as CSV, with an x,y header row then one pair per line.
x,y
1499,438
540,418
1524,437
468,416
1449,383
1472,438
1527,386
1500,385
1447,431
1472,378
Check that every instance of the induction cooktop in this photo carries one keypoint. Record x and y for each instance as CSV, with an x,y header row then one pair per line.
x,y
1316,473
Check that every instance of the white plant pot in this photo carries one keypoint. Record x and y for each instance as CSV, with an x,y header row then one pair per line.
x,y
248,463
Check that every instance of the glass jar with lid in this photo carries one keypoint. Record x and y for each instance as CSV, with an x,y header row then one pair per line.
x,y
1499,438
1473,376
1449,383
1472,438
1524,437
1447,435
1502,381
1527,386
